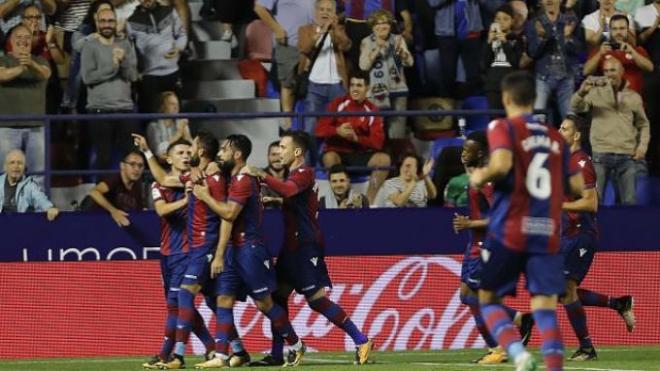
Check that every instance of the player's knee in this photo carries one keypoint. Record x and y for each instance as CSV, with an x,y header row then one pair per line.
x,y
193,289
488,297
320,293
265,304
571,295
225,301
331,158
466,291
542,302
380,159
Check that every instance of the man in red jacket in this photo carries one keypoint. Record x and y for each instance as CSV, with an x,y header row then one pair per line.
x,y
355,140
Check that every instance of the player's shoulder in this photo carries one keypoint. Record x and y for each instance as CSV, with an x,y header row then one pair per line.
x,y
498,124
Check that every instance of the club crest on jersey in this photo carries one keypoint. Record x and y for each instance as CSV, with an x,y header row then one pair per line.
x,y
314,260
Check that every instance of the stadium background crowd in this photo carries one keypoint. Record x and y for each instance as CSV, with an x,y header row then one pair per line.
x,y
123,56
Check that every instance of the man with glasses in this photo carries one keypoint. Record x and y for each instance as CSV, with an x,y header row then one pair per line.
x,y
108,67
120,193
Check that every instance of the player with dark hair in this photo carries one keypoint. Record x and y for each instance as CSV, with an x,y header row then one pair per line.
x,y
203,227
529,167
241,256
301,263
475,155
579,242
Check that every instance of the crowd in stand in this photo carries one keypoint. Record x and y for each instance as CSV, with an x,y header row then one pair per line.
x,y
598,59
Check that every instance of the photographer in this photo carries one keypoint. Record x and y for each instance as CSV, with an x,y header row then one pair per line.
x,y
619,128
635,59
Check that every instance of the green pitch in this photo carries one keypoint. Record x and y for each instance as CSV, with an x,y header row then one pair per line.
x,y
609,359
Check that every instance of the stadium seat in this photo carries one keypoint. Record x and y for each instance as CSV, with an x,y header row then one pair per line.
x,y
476,122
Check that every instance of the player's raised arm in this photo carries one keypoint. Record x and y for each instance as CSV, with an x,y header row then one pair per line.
x,y
157,171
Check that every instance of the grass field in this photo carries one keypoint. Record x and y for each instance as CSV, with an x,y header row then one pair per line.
x,y
610,359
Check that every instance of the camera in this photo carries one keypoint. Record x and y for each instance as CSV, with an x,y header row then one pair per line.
x,y
615,45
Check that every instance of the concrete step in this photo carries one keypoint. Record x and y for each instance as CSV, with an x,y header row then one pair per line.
x,y
208,70
212,50
218,89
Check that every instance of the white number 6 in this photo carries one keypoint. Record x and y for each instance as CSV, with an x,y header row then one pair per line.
x,y
538,177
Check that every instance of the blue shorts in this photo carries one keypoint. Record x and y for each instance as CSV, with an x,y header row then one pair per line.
x,y
303,269
578,252
471,270
502,268
197,270
172,270
248,269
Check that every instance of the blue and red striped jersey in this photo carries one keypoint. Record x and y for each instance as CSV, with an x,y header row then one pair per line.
x,y
173,234
245,190
479,202
300,207
204,223
576,222
526,212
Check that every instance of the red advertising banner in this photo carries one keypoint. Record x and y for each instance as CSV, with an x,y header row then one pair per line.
x,y
82,309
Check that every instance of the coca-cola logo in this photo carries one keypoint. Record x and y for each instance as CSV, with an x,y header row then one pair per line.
x,y
402,303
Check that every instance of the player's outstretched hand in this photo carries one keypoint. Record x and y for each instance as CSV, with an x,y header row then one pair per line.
x,y
217,266
121,218
428,167
201,191
460,222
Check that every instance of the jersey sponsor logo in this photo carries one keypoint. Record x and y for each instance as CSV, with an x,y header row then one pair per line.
x,y
538,226
260,290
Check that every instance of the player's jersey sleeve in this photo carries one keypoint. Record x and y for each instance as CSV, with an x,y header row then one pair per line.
x,y
157,192
217,186
299,180
240,189
499,136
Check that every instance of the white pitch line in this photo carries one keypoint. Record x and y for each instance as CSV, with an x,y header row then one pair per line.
x,y
511,366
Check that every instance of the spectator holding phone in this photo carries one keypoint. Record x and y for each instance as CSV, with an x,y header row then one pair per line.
x,y
635,59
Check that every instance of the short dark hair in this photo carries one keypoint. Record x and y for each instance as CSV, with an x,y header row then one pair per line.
x,y
273,144
507,9
418,159
132,152
241,143
480,138
299,138
337,169
619,17
580,125
177,142
521,87
357,73
209,144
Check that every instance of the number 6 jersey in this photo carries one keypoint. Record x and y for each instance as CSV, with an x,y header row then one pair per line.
x,y
526,211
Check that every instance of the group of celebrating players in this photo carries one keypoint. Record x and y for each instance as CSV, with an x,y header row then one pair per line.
x,y
532,202
212,242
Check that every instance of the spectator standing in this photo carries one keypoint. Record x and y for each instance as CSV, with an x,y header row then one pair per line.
x,y
342,196
328,75
355,140
10,11
619,129
121,193
23,92
159,39
554,44
635,59
648,22
412,188
384,55
284,18
597,24
108,67
20,193
458,27
502,54
162,133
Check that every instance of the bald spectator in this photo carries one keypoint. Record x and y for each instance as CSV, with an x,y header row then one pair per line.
x,y
21,194
23,79
634,58
121,193
619,129
10,11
